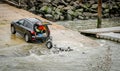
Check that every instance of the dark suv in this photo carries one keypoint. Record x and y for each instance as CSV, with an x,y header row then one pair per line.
x,y
31,29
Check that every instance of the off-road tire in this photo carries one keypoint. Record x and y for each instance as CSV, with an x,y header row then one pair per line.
x,y
27,38
13,31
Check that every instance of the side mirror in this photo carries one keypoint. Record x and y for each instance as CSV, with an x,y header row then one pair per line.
x,y
18,23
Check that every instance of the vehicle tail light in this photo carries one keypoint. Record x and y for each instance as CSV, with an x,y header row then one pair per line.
x,y
48,31
33,38
32,32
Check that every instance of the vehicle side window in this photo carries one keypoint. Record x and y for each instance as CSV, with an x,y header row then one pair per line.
x,y
30,26
21,22
27,24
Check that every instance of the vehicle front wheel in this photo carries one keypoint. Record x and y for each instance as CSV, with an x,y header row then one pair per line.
x,y
27,39
13,31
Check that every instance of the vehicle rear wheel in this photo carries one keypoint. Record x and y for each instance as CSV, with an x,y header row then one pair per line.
x,y
27,39
13,30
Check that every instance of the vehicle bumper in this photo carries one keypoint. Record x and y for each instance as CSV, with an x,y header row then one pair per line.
x,y
39,38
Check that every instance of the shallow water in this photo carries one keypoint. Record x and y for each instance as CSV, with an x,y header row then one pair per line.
x,y
89,24
34,57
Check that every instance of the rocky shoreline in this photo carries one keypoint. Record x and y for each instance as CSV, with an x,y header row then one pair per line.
x,y
70,9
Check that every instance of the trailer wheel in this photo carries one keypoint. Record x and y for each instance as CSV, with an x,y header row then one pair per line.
x,y
49,44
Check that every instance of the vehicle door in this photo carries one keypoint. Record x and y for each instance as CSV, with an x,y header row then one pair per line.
x,y
28,26
19,26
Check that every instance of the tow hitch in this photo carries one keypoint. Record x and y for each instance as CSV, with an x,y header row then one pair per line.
x,y
49,45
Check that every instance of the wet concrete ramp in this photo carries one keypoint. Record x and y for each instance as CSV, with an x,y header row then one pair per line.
x,y
110,36
111,33
101,30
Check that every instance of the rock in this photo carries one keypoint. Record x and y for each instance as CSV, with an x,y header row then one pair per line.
x,y
59,2
75,19
56,16
75,4
48,16
88,5
94,15
80,17
68,1
46,9
86,18
68,7
94,6
44,4
104,5
91,2
54,8
56,1
77,13
49,9
63,2
84,6
106,15
28,5
53,12
69,17
41,15
60,6
71,3
80,10
96,1
61,17
93,10
106,11
88,14
32,9
70,12
58,11
47,1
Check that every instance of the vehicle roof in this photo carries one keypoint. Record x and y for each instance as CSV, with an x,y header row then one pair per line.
x,y
37,21
34,20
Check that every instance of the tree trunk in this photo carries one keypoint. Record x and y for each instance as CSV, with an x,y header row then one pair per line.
x,y
99,21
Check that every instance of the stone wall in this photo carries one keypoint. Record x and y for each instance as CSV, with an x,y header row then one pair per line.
x,y
71,9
